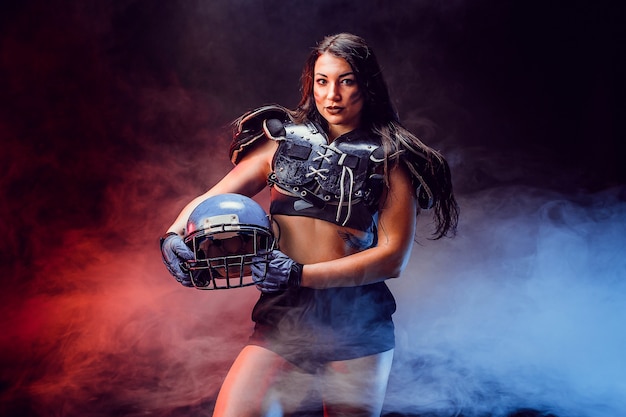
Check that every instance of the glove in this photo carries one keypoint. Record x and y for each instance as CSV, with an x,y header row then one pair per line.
x,y
174,253
274,272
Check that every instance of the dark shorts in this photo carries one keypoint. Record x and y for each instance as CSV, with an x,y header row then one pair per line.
x,y
311,327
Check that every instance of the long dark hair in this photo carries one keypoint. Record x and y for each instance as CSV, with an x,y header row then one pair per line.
x,y
428,168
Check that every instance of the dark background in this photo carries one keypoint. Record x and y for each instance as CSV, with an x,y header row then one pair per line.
x,y
115,113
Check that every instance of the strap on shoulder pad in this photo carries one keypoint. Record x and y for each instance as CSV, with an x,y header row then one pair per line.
x,y
250,128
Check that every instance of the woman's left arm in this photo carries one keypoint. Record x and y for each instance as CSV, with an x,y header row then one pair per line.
x,y
396,231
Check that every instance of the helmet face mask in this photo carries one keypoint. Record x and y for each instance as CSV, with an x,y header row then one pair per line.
x,y
225,232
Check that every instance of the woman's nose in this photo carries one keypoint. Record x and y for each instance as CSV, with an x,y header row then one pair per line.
x,y
333,92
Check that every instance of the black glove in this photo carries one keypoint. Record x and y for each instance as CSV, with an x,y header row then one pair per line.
x,y
274,271
174,253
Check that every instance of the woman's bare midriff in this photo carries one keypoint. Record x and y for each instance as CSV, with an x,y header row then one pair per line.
x,y
308,240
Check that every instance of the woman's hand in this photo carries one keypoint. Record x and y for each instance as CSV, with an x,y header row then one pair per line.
x,y
274,271
175,253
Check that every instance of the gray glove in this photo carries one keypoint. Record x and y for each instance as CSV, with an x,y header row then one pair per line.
x,y
175,253
274,272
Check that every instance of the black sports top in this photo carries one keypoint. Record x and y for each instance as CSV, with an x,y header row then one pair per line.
x,y
361,217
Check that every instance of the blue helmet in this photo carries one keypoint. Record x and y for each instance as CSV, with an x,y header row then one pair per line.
x,y
225,232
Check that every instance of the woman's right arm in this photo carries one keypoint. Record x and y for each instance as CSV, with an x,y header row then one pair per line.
x,y
248,178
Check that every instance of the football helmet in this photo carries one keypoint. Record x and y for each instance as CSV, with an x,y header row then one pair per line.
x,y
225,232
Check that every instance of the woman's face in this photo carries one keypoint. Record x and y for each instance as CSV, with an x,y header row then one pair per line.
x,y
337,95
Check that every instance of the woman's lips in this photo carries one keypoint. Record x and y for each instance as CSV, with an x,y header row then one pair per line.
x,y
334,110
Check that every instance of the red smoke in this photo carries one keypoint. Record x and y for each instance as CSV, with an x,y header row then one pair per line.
x,y
96,162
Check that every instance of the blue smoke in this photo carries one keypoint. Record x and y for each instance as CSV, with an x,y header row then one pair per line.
x,y
524,309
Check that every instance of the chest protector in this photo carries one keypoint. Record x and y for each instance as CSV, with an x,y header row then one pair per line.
x,y
341,179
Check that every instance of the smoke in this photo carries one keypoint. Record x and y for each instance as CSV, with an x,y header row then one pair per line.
x,y
116,115
99,328
524,307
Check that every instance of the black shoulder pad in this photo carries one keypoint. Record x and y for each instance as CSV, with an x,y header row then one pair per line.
x,y
250,128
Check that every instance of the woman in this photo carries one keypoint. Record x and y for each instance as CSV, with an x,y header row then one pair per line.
x,y
344,226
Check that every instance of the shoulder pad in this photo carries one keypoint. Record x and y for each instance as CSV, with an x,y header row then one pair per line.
x,y
250,128
319,173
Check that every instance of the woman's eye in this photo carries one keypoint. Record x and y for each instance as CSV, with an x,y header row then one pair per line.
x,y
321,81
347,81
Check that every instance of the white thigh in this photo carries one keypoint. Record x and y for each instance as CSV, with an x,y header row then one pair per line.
x,y
356,387
262,383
